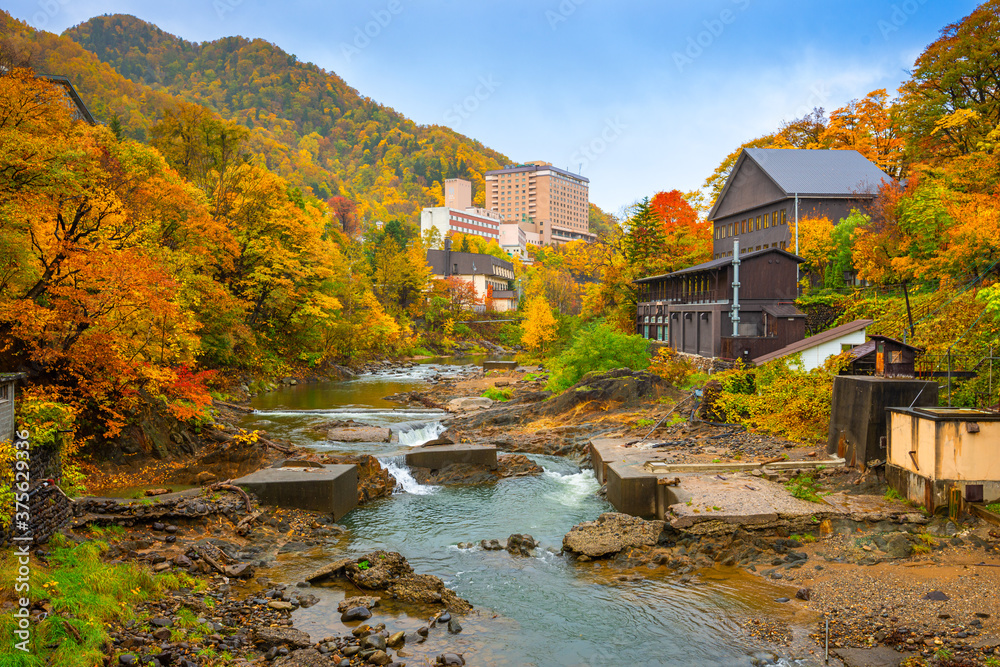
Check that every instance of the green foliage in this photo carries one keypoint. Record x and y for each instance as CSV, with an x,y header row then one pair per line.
x,y
892,494
85,594
804,487
643,423
364,565
597,348
500,394
994,507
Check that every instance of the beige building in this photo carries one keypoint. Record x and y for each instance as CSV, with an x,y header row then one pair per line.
x,y
457,193
542,199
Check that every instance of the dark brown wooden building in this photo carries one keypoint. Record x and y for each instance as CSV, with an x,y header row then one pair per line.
x,y
883,357
692,309
757,205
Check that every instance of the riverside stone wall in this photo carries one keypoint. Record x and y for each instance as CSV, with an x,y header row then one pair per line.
x,y
48,507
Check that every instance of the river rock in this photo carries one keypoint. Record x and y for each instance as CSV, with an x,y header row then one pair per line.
x,y
379,658
396,639
611,533
899,546
270,637
330,570
450,659
355,614
388,571
360,434
366,601
373,641
374,481
469,404
520,545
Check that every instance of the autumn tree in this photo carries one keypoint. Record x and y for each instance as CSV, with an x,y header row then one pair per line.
x,y
539,325
870,126
950,103
816,246
345,213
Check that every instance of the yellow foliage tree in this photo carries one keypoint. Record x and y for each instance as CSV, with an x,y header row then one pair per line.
x,y
539,325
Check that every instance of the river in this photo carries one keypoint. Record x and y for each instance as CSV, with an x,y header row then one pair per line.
x,y
543,610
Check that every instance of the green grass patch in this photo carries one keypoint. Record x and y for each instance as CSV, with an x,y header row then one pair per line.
x,y
804,487
994,507
892,494
85,594
500,394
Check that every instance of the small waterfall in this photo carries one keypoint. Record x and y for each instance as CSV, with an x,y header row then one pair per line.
x,y
396,465
418,436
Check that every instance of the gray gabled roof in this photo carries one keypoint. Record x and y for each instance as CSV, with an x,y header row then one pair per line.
x,y
819,172
811,173
722,261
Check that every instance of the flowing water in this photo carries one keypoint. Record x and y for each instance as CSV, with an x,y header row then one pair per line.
x,y
541,610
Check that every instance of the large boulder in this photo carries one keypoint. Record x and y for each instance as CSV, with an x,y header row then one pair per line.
x,y
611,533
267,638
468,404
622,387
508,465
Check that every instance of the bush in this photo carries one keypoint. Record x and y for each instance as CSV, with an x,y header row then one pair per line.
x,y
500,394
597,347
778,399
671,367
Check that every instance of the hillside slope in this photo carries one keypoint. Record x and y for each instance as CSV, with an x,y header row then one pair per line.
x,y
306,124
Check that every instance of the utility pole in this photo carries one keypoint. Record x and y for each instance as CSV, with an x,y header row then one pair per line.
x,y
736,288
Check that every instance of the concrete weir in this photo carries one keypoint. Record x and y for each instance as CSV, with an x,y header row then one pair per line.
x,y
328,488
441,456
688,494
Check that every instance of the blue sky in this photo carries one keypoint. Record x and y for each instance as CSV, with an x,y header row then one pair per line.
x,y
642,96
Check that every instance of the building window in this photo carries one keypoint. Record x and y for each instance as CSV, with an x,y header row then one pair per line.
x,y
758,223
783,221
782,245
767,220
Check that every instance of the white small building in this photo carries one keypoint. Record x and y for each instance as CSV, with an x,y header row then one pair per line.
x,y
815,350
477,221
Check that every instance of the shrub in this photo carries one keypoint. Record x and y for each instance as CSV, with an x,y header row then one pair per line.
x,y
500,394
671,367
778,399
597,347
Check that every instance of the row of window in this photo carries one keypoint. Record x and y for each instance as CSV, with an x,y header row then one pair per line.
x,y
743,251
751,225
471,221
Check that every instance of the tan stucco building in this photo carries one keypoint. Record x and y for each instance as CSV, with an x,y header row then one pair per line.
x,y
542,199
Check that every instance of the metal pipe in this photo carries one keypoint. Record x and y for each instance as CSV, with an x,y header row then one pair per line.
x,y
797,265
735,316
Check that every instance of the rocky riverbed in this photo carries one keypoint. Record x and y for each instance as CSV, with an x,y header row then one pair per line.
x,y
894,583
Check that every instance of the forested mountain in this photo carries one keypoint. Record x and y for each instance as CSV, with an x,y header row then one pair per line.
x,y
306,124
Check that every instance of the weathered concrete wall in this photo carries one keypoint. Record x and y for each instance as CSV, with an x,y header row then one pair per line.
x,y
332,489
631,490
441,456
858,413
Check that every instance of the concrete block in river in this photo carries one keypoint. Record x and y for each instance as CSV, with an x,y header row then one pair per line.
x,y
445,455
499,365
332,488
